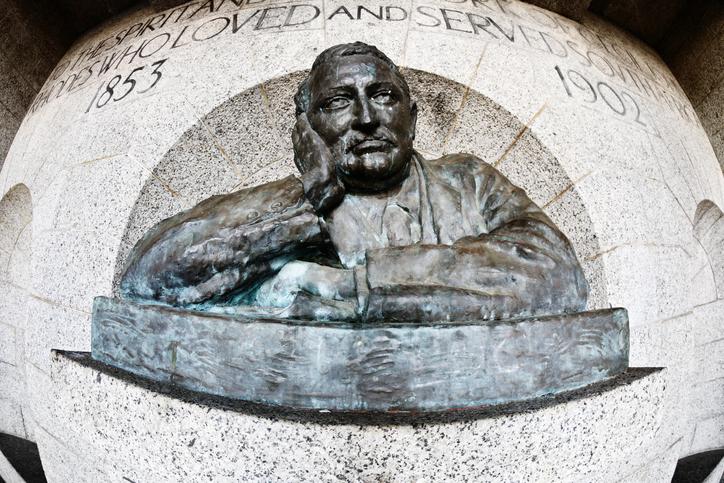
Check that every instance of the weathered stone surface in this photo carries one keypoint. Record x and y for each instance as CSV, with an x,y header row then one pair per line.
x,y
31,43
694,49
15,249
125,426
571,9
420,367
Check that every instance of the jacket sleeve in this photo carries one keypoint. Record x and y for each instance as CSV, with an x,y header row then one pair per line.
x,y
222,245
517,262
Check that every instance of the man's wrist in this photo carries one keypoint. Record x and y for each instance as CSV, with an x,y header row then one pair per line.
x,y
322,191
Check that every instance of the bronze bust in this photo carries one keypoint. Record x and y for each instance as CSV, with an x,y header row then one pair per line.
x,y
372,231
379,281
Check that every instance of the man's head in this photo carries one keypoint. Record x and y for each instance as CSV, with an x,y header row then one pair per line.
x,y
359,103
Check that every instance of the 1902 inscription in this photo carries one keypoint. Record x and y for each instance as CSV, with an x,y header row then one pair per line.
x,y
578,86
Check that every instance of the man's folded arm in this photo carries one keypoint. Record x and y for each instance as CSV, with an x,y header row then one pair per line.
x,y
520,264
223,245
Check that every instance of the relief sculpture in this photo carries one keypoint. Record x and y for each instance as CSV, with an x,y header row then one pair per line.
x,y
376,279
371,231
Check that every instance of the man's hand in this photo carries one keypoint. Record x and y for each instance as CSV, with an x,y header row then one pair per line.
x,y
308,278
317,165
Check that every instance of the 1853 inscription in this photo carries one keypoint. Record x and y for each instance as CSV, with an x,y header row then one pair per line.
x,y
118,88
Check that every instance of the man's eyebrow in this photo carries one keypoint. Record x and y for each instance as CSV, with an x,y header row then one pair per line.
x,y
340,89
385,84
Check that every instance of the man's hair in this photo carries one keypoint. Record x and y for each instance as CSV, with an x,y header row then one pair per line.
x,y
303,97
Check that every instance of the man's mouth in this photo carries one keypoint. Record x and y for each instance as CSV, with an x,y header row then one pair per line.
x,y
370,146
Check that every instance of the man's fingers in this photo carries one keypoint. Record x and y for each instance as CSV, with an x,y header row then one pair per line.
x,y
322,191
306,150
328,282
303,121
280,290
331,197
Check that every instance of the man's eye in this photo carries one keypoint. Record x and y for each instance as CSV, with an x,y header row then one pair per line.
x,y
384,97
338,102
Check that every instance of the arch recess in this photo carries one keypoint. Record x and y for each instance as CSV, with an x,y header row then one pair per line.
x,y
246,141
16,216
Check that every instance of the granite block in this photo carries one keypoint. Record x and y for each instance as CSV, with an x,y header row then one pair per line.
x,y
73,265
205,437
707,435
7,346
459,59
94,186
51,326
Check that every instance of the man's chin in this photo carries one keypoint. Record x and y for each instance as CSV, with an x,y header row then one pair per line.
x,y
376,163
372,172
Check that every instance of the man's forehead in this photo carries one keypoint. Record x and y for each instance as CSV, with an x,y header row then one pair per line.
x,y
350,69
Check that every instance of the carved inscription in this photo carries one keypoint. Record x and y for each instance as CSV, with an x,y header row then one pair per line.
x,y
187,25
619,102
614,70
118,88
603,60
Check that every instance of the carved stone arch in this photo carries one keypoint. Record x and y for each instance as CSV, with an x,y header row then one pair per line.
x,y
16,216
709,230
246,140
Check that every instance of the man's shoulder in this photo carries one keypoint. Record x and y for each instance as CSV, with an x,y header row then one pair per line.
x,y
458,163
282,191
252,202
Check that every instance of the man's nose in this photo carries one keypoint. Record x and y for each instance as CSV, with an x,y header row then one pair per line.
x,y
366,116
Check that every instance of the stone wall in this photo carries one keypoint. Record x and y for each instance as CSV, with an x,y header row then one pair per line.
x,y
31,43
695,52
155,111
570,438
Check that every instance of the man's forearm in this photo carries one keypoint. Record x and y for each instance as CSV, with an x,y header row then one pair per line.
x,y
491,276
222,245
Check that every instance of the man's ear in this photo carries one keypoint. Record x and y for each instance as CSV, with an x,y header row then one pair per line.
x,y
413,118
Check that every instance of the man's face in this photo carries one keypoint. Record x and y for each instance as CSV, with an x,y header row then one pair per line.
x,y
360,109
